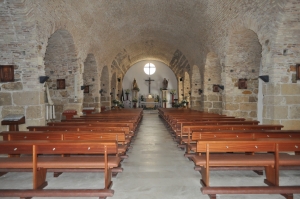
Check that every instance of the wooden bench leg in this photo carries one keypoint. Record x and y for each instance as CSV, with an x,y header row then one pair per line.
x,y
288,196
205,177
212,196
56,174
259,172
270,176
2,173
108,182
39,179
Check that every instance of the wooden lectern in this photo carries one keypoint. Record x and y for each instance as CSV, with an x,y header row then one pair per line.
x,y
13,121
88,110
69,114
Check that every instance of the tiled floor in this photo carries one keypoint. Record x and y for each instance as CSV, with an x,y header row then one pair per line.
x,y
155,169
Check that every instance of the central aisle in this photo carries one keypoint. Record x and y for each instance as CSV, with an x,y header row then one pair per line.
x,y
156,168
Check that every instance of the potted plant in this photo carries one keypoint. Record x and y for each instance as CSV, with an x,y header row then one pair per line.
x,y
165,102
142,97
116,102
172,92
184,102
134,100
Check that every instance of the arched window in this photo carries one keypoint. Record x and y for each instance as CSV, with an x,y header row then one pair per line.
x,y
149,69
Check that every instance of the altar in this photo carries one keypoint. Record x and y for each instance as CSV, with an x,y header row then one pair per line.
x,y
149,104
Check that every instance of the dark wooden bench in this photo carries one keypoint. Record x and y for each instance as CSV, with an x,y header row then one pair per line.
x,y
40,165
267,154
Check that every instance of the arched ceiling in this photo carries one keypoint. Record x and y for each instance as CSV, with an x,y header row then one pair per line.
x,y
155,29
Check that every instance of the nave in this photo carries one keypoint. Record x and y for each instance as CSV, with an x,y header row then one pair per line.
x,y
155,169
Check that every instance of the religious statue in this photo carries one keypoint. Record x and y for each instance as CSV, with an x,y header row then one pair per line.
x,y
165,84
134,85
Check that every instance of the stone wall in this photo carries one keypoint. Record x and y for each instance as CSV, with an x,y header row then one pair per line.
x,y
244,35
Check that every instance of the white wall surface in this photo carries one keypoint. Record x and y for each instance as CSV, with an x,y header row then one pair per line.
x,y
162,71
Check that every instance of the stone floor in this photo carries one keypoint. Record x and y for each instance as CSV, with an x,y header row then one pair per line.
x,y
155,169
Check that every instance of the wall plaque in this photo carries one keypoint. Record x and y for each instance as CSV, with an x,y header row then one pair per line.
x,y
6,73
86,89
242,83
298,72
215,88
61,84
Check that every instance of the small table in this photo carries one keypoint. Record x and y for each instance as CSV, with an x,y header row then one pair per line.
x,y
88,110
13,121
152,104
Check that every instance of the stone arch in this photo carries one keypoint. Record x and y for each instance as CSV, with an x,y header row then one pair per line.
x,y
105,87
63,71
91,79
243,58
212,76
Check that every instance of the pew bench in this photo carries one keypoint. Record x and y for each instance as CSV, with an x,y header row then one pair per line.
x,y
191,141
268,154
78,136
40,165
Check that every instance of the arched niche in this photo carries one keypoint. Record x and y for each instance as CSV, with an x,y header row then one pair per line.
x,y
91,80
212,76
243,57
62,68
136,71
105,87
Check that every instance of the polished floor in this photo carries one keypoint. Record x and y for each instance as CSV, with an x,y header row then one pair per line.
x,y
155,169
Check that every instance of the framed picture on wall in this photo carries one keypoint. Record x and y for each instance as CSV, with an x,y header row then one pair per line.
x,y
297,71
242,83
215,88
7,73
61,84
86,89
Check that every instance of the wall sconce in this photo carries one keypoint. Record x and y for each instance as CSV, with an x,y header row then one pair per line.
x,y
101,91
180,79
110,93
221,87
200,91
265,78
43,79
119,79
190,93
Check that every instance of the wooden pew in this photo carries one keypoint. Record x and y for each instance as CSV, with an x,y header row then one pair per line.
x,y
81,128
270,161
248,134
95,123
70,136
40,165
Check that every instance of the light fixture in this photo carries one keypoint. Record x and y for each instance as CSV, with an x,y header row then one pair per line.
x,y
265,78
200,91
221,87
43,79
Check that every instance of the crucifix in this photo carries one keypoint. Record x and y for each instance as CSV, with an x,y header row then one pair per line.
x,y
149,80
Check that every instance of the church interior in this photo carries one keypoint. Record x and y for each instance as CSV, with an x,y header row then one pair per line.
x,y
149,64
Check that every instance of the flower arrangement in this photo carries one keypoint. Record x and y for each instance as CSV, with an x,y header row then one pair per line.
x,y
164,100
134,100
142,97
173,92
116,102
127,91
